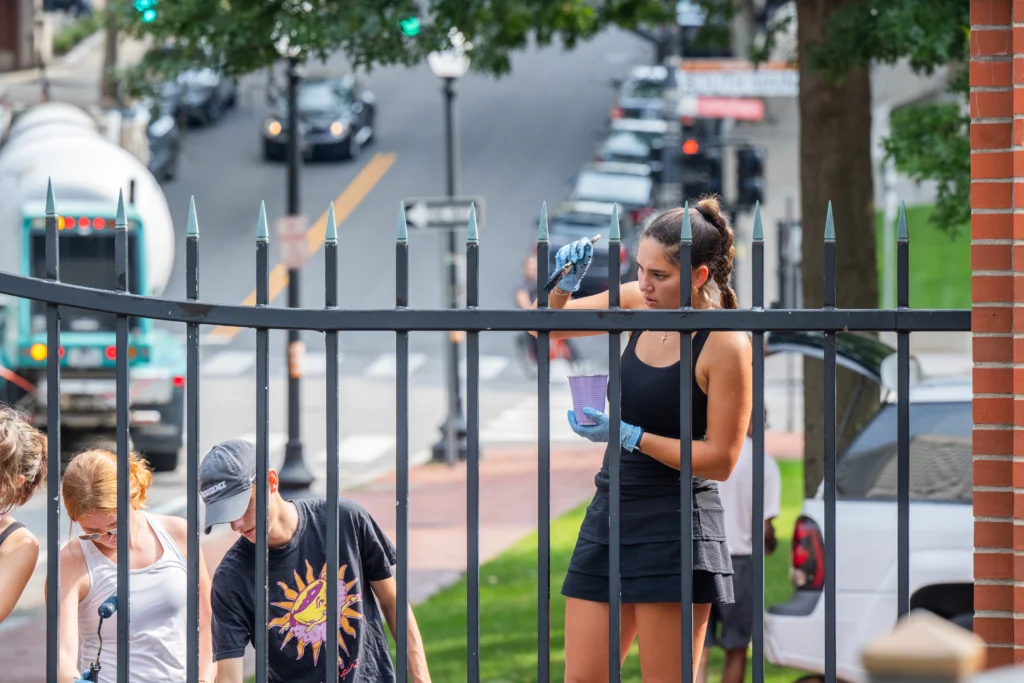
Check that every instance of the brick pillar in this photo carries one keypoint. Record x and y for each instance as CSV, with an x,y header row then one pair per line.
x,y
997,255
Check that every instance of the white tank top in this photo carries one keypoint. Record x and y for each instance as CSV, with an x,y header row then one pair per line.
x,y
158,596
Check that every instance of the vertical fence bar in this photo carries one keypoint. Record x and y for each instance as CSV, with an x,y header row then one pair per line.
x,y
333,445
402,453
52,446
262,443
903,421
686,451
543,463
192,446
830,454
123,450
757,505
473,450
614,460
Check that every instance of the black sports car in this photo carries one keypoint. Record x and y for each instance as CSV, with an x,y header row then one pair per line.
x,y
336,117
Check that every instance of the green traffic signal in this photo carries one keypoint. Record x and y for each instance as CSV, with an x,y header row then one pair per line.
x,y
410,26
147,8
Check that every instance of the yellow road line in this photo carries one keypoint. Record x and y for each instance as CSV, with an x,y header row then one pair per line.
x,y
344,205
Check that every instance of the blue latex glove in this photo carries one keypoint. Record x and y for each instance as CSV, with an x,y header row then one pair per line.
x,y
579,252
629,435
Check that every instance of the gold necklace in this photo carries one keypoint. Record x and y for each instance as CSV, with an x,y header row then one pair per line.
x,y
666,336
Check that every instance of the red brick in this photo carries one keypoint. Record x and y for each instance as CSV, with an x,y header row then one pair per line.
x,y
1017,223
993,349
1017,380
1018,442
998,657
1017,354
991,442
1018,546
992,226
992,288
1017,472
1017,255
1017,567
991,195
996,42
991,104
985,165
993,598
991,135
993,565
993,504
993,535
994,630
1017,165
994,380
991,319
1018,507
991,74
990,12
994,256
1018,132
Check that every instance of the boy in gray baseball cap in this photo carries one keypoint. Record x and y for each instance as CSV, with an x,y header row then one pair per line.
x,y
297,572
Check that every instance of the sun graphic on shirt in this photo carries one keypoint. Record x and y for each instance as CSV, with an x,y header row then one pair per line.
x,y
306,615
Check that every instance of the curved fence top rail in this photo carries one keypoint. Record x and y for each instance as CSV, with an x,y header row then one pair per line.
x,y
478,319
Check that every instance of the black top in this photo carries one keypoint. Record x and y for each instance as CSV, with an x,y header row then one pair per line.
x,y
650,400
10,530
298,596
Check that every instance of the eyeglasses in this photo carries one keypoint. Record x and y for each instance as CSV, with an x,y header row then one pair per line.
x,y
97,536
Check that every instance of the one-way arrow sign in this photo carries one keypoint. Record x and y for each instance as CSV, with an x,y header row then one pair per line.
x,y
442,213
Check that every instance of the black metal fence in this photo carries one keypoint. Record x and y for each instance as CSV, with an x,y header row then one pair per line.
x,y
402,320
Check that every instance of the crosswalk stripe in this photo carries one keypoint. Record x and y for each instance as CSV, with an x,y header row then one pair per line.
x,y
228,364
386,365
518,424
490,367
360,449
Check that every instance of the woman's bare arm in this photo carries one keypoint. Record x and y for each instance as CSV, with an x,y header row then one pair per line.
x,y
629,297
73,584
730,385
17,562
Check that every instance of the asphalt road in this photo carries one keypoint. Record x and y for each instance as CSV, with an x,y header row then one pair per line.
x,y
521,138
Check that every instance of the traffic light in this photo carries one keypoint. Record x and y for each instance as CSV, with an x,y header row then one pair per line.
x,y
410,26
147,8
750,175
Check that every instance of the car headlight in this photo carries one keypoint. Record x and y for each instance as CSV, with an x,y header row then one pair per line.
x,y
337,129
273,128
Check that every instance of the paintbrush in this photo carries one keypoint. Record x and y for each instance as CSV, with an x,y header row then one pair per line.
x,y
557,277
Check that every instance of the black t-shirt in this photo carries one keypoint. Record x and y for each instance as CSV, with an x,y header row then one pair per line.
x,y
298,596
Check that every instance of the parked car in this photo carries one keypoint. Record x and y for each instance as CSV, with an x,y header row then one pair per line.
x,y
336,119
204,92
640,96
573,220
632,148
629,185
941,517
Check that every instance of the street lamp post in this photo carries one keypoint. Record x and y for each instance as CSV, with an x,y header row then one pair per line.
x,y
449,66
294,475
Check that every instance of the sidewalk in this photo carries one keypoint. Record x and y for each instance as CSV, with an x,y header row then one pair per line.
x,y
437,525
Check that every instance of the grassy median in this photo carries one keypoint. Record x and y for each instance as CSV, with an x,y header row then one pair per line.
x,y
508,605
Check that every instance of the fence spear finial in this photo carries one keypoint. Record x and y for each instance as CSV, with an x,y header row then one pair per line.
x,y
332,226
758,230
542,223
472,233
613,232
51,205
403,229
830,228
686,234
193,221
261,224
902,233
120,222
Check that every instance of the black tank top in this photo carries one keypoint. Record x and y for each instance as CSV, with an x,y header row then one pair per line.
x,y
650,400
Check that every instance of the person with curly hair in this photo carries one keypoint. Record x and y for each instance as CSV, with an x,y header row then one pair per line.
x,y
22,472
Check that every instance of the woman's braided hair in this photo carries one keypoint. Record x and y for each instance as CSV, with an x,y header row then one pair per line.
x,y
711,246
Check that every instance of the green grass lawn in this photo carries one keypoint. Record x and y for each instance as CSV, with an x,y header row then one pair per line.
x,y
508,605
940,265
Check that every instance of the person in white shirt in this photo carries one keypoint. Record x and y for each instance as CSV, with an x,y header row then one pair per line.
x,y
730,624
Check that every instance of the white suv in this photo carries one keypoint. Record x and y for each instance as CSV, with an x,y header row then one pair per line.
x,y
941,518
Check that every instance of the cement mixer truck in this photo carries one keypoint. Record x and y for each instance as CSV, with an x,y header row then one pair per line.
x,y
63,143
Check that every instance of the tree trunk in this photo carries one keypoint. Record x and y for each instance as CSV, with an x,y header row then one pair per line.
x,y
108,82
835,164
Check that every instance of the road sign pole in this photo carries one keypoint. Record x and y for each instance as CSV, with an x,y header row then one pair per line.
x,y
294,475
451,447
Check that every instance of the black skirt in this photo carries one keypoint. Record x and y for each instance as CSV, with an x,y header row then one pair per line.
x,y
651,552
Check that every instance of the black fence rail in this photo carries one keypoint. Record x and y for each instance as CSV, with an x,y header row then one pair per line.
x,y
402,320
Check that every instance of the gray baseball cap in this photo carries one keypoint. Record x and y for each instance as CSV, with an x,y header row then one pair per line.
x,y
226,477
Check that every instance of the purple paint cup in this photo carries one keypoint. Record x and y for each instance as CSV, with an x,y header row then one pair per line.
x,y
588,391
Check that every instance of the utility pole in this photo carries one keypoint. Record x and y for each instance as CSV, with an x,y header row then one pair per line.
x,y
109,96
